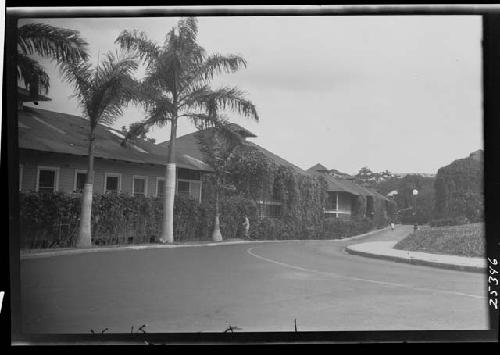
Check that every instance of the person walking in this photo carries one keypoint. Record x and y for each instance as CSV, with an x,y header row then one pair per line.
x,y
246,228
392,225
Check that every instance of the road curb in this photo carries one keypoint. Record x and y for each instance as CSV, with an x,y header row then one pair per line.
x,y
45,254
415,261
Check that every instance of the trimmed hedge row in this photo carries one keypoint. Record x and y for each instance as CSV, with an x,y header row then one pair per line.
x,y
330,228
52,220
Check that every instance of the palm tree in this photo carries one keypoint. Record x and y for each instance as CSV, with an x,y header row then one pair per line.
x,y
219,144
60,44
176,86
102,93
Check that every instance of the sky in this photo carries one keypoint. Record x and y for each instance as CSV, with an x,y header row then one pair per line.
x,y
401,93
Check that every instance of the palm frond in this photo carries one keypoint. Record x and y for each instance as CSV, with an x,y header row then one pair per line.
x,y
32,74
79,75
140,128
201,120
113,86
214,65
103,91
223,99
188,28
61,44
139,43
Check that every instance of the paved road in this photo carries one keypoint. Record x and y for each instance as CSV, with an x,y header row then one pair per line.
x,y
256,287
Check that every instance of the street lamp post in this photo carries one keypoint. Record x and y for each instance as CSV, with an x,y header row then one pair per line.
x,y
415,193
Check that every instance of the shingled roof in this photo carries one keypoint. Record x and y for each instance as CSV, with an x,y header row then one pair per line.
x,y
336,184
189,143
49,131
317,167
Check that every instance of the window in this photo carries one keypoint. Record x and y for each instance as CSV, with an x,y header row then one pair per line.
x,y
195,190
139,186
269,209
160,187
190,188
370,212
331,202
185,174
274,211
183,187
112,183
80,179
47,179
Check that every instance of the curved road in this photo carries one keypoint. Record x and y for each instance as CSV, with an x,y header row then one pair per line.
x,y
255,287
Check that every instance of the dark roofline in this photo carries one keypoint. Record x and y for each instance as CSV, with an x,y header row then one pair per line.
x,y
242,131
116,153
24,96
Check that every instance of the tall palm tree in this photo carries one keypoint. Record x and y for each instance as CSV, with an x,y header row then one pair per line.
x,y
102,93
60,44
176,86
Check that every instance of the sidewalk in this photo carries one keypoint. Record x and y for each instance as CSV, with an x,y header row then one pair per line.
x,y
385,250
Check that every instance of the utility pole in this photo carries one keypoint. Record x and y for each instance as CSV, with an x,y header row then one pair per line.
x,y
415,193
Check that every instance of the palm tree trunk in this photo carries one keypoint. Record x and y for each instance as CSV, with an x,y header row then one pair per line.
x,y
216,235
167,230
85,230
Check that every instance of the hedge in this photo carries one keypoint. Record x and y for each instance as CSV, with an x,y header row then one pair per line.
x,y
450,221
459,190
52,220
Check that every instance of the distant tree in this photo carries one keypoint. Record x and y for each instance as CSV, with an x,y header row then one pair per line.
x,y
367,177
384,175
59,44
132,128
404,198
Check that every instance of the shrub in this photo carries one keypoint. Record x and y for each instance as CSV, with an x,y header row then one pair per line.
x,y
465,240
338,228
450,221
52,220
233,209
459,190
268,229
48,220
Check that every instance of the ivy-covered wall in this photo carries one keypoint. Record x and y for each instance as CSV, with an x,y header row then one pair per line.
x,y
459,190
51,220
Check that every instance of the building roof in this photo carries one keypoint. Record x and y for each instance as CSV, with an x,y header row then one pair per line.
x,y
25,96
339,184
317,167
245,133
50,131
189,143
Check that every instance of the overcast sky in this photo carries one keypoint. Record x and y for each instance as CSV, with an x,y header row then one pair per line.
x,y
401,93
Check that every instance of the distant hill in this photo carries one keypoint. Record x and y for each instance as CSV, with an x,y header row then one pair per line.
x,y
401,175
